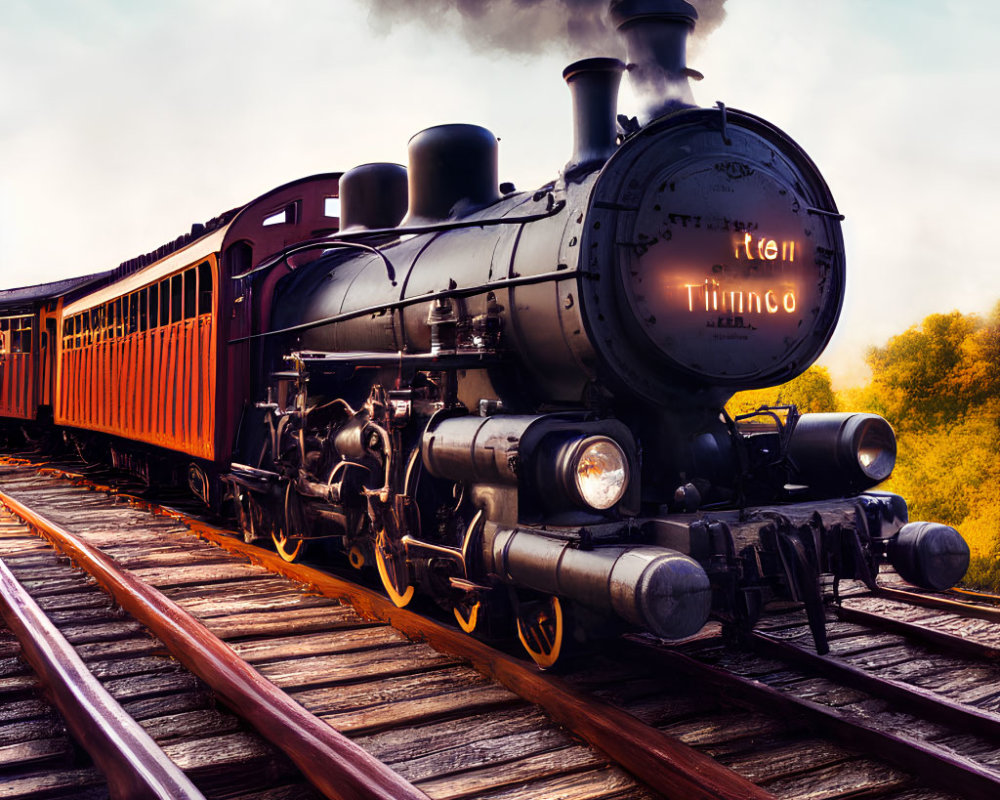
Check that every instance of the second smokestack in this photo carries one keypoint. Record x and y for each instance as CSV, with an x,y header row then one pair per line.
x,y
593,84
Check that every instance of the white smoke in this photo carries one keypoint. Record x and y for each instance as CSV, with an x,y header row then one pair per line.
x,y
577,28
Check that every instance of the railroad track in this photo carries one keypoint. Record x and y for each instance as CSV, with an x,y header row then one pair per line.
x,y
694,721
913,677
439,724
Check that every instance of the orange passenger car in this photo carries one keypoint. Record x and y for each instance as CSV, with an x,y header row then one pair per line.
x,y
28,324
147,358
138,361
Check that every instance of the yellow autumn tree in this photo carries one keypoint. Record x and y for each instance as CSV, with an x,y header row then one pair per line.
x,y
933,373
811,391
938,384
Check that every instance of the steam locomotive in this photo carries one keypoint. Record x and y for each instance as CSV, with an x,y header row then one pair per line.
x,y
513,403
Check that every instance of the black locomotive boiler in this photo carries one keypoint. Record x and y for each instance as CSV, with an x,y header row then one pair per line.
x,y
513,402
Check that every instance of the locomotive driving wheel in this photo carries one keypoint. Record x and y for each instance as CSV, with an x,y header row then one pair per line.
x,y
290,548
356,557
541,629
390,560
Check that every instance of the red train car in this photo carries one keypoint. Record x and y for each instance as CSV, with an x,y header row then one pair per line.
x,y
147,360
28,323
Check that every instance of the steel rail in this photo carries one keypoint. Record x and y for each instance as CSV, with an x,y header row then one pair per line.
x,y
663,762
913,698
935,638
134,765
939,768
986,597
335,765
915,597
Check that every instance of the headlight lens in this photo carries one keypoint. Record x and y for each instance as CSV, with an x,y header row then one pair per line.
x,y
601,472
876,449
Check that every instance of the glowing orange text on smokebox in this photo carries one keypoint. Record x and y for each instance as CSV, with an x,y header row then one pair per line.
x,y
738,301
714,297
763,249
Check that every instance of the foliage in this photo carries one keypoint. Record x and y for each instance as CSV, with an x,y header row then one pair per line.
x,y
951,473
938,384
811,391
936,372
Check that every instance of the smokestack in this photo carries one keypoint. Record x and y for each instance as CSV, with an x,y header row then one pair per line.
x,y
593,84
655,33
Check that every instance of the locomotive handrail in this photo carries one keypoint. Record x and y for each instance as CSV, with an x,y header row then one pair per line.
x,y
551,211
467,291
456,359
822,212
725,124
325,244
346,239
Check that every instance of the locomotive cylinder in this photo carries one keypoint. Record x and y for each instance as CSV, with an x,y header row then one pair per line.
x,y
842,451
660,590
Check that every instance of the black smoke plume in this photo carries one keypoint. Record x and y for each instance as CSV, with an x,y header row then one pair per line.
x,y
576,28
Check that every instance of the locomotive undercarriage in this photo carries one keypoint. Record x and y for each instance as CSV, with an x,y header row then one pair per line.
x,y
475,513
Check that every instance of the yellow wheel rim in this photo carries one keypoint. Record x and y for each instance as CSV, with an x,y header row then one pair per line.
x,y
356,557
288,549
467,623
542,633
396,586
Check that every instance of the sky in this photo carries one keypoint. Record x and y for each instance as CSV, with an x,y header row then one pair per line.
x,y
122,123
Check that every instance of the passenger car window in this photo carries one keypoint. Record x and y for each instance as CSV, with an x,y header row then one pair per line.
x,y
204,288
176,298
190,293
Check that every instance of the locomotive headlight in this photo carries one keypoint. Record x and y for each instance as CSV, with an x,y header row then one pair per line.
x,y
564,468
842,452
599,471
